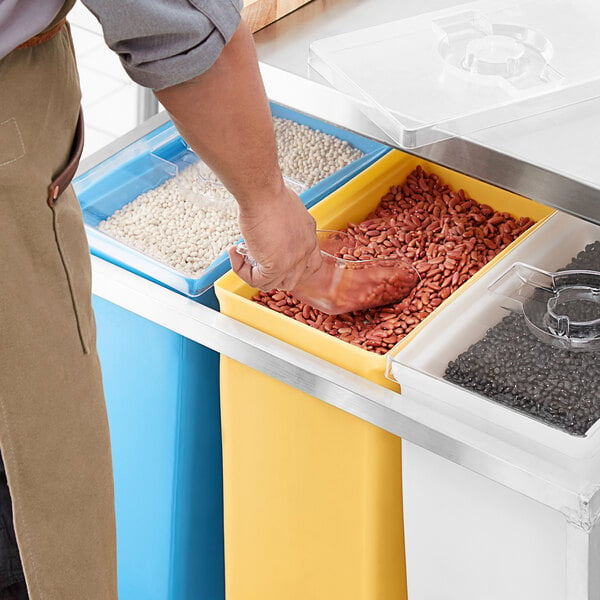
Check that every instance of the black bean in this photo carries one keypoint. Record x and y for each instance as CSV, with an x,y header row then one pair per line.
x,y
512,367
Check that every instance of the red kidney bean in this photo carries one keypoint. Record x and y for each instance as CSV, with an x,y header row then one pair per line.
x,y
446,234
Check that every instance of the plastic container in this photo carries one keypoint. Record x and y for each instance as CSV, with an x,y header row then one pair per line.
x,y
458,70
159,156
542,445
503,531
318,489
352,203
162,398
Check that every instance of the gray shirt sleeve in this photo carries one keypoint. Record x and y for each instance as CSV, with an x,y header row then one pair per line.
x,y
165,42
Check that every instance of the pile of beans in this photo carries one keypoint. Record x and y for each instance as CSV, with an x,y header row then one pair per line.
x,y
308,155
176,224
446,235
513,367
188,221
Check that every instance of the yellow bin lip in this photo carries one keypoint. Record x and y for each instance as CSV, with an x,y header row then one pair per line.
x,y
352,202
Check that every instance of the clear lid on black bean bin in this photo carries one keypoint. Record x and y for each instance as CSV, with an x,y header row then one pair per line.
x,y
561,309
456,71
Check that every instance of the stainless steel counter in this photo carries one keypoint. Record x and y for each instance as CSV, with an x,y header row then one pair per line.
x,y
551,158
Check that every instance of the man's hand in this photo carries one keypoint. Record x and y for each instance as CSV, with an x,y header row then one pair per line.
x,y
280,236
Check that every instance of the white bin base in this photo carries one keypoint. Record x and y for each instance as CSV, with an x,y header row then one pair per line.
x,y
469,538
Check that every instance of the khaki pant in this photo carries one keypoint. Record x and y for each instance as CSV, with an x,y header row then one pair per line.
x,y
53,427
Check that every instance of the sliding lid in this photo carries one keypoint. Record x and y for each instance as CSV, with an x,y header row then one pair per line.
x,y
561,309
456,71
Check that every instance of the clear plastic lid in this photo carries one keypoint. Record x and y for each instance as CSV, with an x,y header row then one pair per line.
x,y
456,71
561,309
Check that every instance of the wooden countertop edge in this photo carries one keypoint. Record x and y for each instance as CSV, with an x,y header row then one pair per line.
x,y
260,13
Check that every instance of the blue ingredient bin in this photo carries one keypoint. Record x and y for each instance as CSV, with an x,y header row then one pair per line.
x,y
162,398
160,155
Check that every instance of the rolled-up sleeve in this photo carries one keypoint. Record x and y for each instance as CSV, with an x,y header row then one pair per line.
x,y
165,42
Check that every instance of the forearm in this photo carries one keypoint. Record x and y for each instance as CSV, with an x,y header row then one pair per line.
x,y
225,117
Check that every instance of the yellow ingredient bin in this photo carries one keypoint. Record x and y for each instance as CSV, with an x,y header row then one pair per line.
x,y
313,495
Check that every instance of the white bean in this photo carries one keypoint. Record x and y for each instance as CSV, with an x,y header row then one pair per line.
x,y
191,219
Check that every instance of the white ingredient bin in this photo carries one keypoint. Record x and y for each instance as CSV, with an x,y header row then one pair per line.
x,y
419,368
500,530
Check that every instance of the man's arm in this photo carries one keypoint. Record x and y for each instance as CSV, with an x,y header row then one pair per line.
x,y
224,115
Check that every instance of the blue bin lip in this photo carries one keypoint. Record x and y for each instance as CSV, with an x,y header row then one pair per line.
x,y
164,138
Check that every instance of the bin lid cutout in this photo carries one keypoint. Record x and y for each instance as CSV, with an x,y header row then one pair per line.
x,y
561,309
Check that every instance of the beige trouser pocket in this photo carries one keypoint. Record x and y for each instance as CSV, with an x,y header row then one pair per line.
x,y
11,142
72,243
73,249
